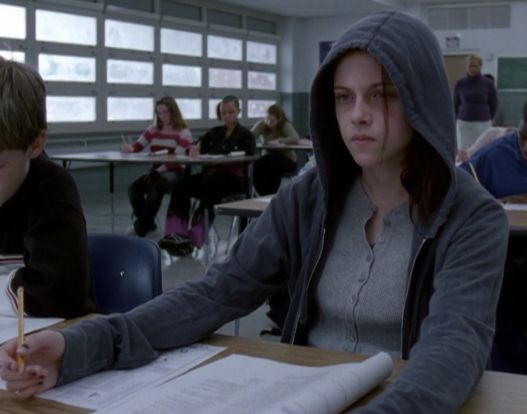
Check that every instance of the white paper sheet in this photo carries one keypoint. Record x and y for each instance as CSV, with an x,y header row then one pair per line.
x,y
239,384
112,387
9,326
515,206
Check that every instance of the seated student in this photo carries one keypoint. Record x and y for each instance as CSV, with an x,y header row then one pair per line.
x,y
184,229
40,211
488,136
386,245
268,170
501,166
169,132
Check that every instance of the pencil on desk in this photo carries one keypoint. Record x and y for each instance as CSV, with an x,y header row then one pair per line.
x,y
125,141
20,339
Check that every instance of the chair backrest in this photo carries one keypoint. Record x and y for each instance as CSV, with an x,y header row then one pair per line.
x,y
125,271
509,349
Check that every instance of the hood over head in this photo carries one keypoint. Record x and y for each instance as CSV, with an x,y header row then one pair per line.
x,y
411,57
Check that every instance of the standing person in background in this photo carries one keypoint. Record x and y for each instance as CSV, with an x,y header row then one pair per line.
x,y
184,229
274,129
41,216
475,103
386,245
170,133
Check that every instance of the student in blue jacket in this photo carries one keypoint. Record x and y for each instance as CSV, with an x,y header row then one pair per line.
x,y
385,246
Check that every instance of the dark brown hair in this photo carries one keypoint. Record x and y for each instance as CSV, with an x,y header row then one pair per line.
x,y
425,175
175,114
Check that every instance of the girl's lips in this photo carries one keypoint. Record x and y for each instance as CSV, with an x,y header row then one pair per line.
x,y
362,138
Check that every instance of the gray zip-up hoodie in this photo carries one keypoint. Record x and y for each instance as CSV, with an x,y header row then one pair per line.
x,y
455,271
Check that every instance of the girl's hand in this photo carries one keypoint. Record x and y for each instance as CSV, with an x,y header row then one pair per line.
x,y
126,149
194,151
42,354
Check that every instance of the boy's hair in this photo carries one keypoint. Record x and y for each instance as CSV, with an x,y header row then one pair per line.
x,y
22,105
175,114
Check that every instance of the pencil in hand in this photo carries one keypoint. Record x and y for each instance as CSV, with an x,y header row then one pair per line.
x,y
20,338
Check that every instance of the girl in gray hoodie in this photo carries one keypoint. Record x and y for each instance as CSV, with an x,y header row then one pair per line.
x,y
384,246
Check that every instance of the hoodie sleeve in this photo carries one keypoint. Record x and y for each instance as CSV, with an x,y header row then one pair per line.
x,y
456,337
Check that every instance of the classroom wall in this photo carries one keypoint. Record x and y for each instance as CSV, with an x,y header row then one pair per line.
x,y
305,34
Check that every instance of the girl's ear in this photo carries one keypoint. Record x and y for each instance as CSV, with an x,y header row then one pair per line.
x,y
37,146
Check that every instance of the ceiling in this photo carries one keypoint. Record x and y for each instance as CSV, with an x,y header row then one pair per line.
x,y
325,8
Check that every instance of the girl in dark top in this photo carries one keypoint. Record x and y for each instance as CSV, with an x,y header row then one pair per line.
x,y
184,229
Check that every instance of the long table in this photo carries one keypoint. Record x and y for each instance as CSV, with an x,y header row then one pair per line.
x,y
251,208
496,393
115,157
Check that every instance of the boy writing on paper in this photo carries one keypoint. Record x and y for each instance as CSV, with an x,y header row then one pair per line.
x,y
40,212
501,166
386,245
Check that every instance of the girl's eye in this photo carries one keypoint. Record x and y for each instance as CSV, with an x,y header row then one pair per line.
x,y
342,97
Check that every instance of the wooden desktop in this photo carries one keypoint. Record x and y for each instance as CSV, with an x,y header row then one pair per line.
x,y
496,393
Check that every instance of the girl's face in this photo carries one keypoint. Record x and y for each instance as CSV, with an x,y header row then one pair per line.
x,y
271,121
369,113
163,114
229,113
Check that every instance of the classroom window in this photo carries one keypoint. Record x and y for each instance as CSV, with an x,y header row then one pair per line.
x,y
13,55
70,108
122,35
225,78
219,47
181,75
257,108
66,28
179,42
66,68
190,108
12,22
213,104
129,109
261,80
130,71
261,53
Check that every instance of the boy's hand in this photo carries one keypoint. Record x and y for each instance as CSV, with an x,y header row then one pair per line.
x,y
42,353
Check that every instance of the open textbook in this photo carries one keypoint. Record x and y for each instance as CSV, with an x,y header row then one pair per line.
x,y
240,384
112,387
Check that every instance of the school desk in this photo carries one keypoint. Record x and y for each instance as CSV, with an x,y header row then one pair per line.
x,y
115,157
253,207
495,393
300,146
517,216
244,209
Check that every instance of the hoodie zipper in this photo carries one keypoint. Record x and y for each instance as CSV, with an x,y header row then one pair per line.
x,y
299,311
423,241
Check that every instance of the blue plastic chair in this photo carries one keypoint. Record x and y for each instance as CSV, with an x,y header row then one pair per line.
x,y
125,271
